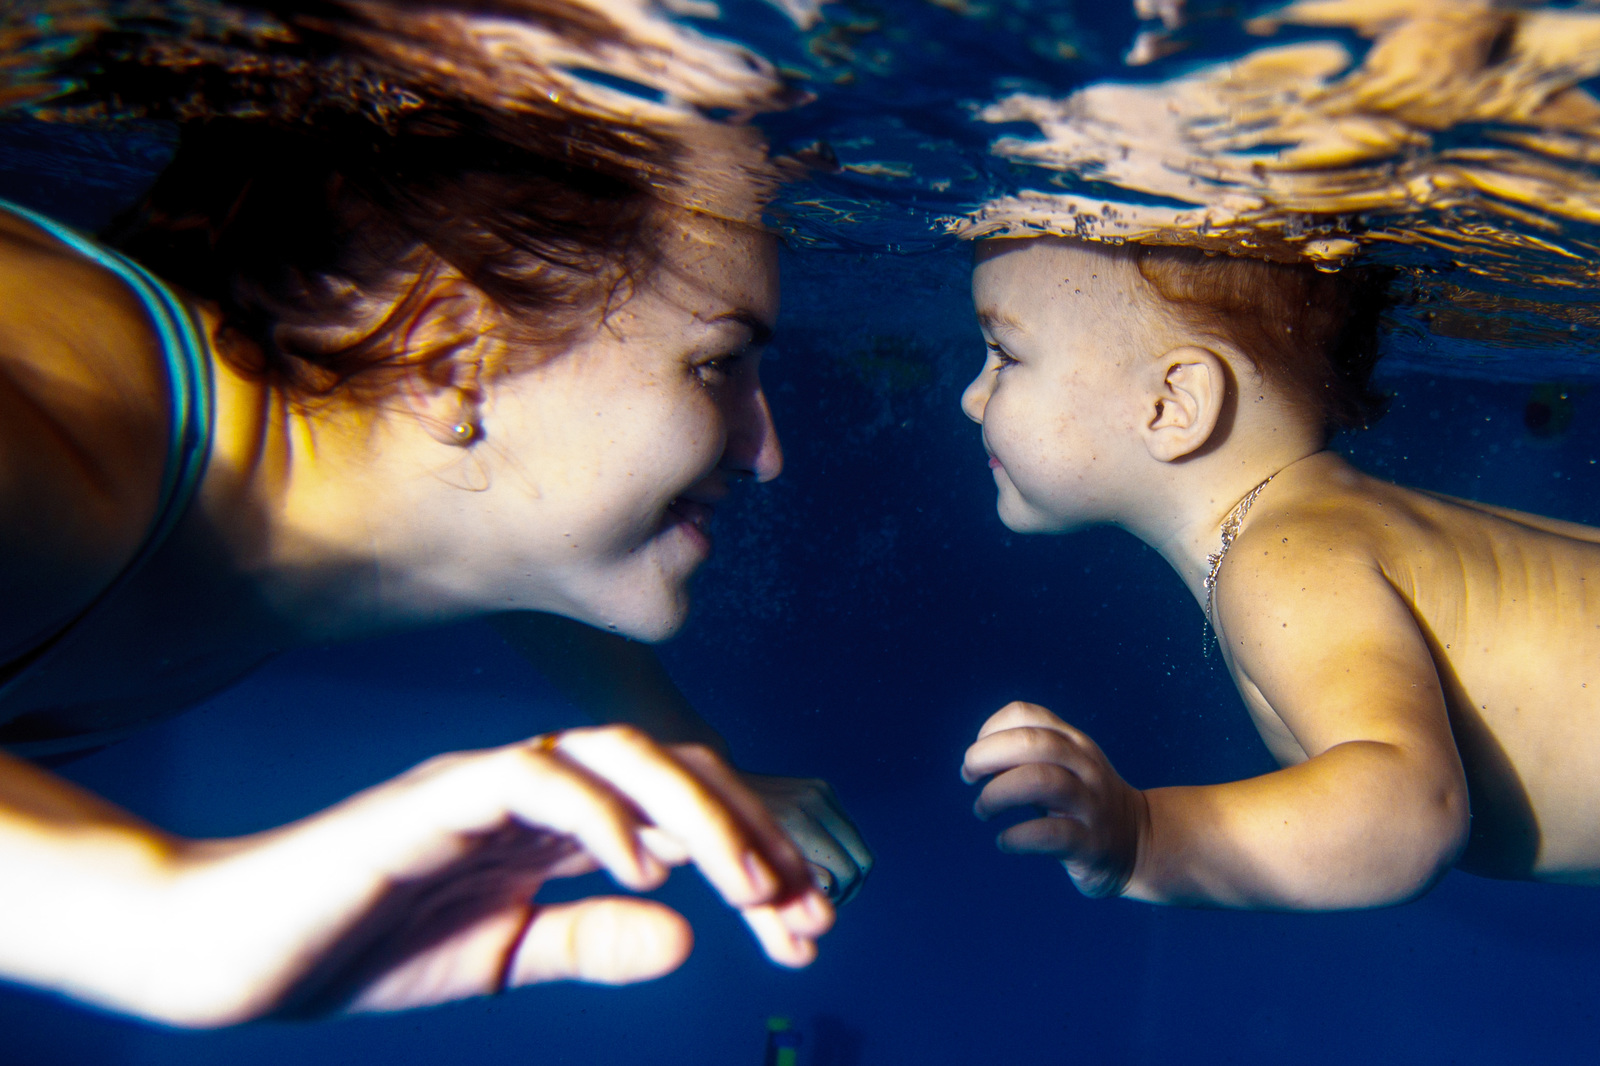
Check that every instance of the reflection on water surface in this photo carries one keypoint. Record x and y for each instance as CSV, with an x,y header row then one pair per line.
x,y
1457,140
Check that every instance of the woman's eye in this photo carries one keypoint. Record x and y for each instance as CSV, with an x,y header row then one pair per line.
x,y
1002,357
715,371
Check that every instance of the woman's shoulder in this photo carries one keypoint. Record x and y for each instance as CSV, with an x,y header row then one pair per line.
x,y
83,430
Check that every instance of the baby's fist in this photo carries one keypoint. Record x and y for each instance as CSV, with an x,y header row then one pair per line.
x,y
1093,819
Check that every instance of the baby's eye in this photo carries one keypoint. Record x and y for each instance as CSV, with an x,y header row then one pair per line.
x,y
1003,358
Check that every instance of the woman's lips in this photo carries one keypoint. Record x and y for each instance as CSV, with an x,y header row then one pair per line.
x,y
994,464
694,518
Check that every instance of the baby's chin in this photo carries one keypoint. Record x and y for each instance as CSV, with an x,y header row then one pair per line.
x,y
1019,517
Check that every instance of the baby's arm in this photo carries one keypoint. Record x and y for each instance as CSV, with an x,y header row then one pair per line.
x,y
1374,815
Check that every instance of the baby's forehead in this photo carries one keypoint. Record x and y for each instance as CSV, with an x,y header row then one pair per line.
x,y
1020,284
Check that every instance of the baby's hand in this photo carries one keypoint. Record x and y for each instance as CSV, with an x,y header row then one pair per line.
x,y
1093,819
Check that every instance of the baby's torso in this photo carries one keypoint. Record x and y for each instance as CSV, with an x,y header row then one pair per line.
x,y
1512,611
1510,607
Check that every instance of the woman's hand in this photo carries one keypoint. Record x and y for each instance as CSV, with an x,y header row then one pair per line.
x,y
419,891
1093,821
816,821
618,680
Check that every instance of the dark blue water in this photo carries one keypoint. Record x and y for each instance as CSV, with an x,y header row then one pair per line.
x,y
863,616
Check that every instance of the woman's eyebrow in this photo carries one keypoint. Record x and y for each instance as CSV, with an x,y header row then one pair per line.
x,y
760,329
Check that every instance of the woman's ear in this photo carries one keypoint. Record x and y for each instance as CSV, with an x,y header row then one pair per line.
x,y
444,341
1186,404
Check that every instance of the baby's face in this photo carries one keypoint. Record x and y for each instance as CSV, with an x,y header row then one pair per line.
x,y
1057,396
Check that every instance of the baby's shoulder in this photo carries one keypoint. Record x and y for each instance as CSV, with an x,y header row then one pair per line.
x,y
1329,513
1308,547
1318,532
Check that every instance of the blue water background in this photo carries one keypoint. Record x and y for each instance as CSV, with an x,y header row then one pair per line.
x,y
863,616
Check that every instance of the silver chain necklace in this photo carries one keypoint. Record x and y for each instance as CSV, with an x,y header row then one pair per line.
x,y
1230,530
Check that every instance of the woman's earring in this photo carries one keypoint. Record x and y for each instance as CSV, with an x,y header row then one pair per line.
x,y
464,433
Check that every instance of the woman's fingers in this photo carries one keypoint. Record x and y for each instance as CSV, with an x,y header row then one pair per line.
x,y
775,844
800,905
1036,784
547,792
835,869
603,940
701,812
678,803
429,817
787,927
773,930
664,846
722,827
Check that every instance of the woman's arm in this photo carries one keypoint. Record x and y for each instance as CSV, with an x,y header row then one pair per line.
x,y
614,679
415,892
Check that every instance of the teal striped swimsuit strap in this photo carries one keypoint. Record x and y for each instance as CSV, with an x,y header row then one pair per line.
x,y
188,366
188,373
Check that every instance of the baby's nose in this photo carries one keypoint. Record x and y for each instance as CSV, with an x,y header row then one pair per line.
x,y
976,398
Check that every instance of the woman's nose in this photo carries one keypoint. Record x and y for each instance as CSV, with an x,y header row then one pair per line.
x,y
753,446
976,397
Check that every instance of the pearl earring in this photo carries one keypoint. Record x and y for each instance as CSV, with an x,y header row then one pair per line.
x,y
464,433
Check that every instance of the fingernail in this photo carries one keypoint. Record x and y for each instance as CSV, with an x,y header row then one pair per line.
x,y
763,883
815,907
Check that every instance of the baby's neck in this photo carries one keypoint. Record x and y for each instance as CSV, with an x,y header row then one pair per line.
x,y
1187,510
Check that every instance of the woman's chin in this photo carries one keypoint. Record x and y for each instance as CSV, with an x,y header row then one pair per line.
x,y
656,626
641,594
650,615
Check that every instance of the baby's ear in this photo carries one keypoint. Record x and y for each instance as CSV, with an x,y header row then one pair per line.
x,y
1184,405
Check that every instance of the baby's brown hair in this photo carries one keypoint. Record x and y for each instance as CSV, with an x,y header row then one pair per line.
x,y
1310,332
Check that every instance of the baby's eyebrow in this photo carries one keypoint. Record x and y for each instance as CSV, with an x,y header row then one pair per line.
x,y
998,321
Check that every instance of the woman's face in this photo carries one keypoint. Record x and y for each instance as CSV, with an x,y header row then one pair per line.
x,y
599,469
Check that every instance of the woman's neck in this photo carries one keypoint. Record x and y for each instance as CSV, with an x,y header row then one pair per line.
x,y
284,497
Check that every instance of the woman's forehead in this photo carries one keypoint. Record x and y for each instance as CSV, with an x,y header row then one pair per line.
x,y
712,262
